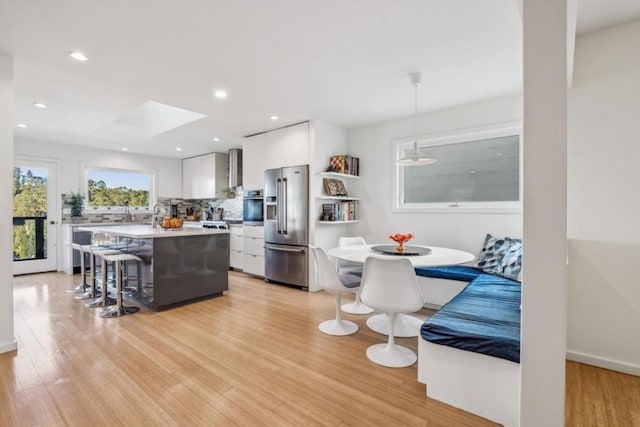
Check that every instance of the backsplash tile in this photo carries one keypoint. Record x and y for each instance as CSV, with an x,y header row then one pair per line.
x,y
232,210
232,207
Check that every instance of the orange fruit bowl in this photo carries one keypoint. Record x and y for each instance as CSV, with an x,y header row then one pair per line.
x,y
401,238
171,223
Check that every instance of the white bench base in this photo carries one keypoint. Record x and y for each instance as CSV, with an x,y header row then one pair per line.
x,y
438,292
483,385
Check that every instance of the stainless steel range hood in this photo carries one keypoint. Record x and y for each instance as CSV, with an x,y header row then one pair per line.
x,y
235,168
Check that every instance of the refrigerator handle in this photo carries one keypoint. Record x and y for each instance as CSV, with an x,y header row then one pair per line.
x,y
276,248
284,204
278,205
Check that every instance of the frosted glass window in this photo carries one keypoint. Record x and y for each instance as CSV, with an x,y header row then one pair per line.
x,y
477,170
482,171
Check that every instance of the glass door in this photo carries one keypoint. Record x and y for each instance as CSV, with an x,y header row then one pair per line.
x,y
34,215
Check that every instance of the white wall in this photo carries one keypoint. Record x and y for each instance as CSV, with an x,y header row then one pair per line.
x,y
7,340
373,144
168,171
326,140
544,288
604,201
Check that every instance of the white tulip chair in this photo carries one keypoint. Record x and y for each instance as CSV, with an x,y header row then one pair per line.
x,y
391,286
329,280
346,267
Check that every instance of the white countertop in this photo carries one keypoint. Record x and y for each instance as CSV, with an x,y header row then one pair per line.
x,y
148,232
103,224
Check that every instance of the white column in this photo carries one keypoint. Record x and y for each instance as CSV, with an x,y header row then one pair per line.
x,y
545,231
7,340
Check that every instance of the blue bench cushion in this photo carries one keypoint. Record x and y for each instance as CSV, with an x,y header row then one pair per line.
x,y
453,272
483,318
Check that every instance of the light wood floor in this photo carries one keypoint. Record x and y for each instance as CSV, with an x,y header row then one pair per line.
x,y
254,357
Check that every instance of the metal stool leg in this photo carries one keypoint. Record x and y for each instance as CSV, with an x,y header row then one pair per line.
x,y
119,309
92,292
104,300
83,286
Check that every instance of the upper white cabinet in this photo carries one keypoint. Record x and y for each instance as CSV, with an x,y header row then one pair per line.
x,y
254,152
288,146
204,177
279,148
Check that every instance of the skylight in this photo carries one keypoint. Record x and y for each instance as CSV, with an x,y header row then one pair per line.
x,y
149,119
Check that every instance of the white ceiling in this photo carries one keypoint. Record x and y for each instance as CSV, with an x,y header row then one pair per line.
x,y
345,62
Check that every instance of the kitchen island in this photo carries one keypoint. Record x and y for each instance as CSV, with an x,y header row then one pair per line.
x,y
178,266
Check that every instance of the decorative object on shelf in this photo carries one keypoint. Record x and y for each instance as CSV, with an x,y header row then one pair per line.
x,y
415,157
400,239
334,187
76,201
344,164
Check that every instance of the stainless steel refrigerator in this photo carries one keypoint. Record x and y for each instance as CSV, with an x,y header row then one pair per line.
x,y
286,225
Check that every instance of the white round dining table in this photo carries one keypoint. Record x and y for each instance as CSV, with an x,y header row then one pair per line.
x,y
438,257
405,326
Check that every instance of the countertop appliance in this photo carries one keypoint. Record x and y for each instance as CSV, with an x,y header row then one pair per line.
x,y
253,207
286,225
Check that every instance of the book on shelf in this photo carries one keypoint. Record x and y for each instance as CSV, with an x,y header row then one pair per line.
x,y
343,211
334,187
345,164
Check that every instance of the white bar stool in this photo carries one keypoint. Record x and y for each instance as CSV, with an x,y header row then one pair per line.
x,y
119,309
92,292
83,286
104,300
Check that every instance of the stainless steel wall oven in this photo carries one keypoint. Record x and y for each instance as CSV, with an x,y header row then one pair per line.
x,y
253,207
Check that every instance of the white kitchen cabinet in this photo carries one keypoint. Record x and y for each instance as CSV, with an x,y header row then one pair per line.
x,y
253,264
275,149
254,152
204,177
235,246
288,146
297,144
253,250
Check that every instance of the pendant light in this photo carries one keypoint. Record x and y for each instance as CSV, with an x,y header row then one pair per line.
x,y
415,157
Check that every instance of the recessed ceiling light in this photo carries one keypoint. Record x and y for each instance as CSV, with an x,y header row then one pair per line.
x,y
178,149
39,105
273,117
22,125
499,154
220,93
125,149
216,139
78,56
472,172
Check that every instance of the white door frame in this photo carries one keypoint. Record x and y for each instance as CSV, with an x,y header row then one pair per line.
x,y
55,202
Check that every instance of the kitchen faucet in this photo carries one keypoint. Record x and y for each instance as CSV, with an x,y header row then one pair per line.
x,y
127,214
155,218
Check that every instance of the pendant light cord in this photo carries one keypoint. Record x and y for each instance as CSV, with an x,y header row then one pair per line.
x,y
415,118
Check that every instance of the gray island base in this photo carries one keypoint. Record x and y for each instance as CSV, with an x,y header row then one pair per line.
x,y
177,268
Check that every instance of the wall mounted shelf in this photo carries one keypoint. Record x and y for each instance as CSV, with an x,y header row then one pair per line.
x,y
338,175
338,222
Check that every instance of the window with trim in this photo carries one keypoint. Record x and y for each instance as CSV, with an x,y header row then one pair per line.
x,y
475,170
113,189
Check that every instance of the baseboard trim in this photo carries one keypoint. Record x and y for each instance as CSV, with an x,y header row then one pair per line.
x,y
8,346
601,362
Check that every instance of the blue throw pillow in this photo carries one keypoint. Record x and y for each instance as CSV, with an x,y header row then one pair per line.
x,y
511,266
492,253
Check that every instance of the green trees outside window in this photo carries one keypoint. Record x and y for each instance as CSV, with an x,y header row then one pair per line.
x,y
29,200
